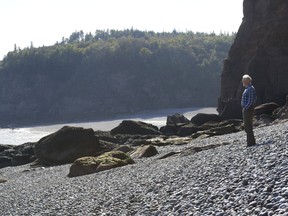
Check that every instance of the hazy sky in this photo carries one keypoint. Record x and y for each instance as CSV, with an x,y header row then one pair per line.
x,y
46,21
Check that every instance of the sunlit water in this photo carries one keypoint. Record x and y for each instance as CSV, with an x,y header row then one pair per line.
x,y
158,118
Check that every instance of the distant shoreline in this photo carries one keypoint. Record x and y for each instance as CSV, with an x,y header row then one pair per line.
x,y
17,136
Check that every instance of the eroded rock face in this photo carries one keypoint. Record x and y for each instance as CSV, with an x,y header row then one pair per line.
x,y
260,50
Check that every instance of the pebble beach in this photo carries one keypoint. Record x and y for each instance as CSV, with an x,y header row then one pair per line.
x,y
227,180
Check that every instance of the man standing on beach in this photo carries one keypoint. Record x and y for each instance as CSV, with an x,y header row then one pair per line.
x,y
248,103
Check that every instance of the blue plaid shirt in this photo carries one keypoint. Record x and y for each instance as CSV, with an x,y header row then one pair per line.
x,y
248,97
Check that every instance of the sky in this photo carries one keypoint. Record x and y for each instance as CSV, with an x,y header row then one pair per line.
x,y
44,22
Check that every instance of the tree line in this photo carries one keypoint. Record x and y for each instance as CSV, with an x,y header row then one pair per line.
x,y
111,72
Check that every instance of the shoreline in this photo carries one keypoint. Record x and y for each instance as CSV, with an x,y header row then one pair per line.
x,y
157,118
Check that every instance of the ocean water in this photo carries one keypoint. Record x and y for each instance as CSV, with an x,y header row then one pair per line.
x,y
18,136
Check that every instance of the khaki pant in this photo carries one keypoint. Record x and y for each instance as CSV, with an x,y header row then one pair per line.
x,y
248,125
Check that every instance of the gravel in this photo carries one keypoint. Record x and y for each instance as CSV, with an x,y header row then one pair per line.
x,y
228,180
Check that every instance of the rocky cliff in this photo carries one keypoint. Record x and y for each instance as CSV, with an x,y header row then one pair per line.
x,y
260,49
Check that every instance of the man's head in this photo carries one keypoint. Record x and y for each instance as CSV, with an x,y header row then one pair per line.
x,y
246,80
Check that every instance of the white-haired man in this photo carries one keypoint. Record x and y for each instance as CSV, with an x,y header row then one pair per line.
x,y
248,103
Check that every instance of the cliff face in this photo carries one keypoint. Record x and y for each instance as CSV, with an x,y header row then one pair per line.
x,y
260,49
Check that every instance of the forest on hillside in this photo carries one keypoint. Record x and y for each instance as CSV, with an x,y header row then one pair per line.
x,y
91,76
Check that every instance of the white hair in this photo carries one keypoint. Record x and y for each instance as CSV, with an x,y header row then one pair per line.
x,y
246,76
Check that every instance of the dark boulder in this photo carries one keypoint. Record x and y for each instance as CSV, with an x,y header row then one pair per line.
x,y
173,124
5,161
210,129
226,129
202,118
135,127
16,155
188,130
68,144
169,130
260,50
5,147
106,136
266,108
177,119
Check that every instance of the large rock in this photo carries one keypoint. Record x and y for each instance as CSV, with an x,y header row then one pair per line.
x,y
188,130
68,144
260,50
202,118
144,151
177,119
169,130
173,124
135,127
210,129
262,120
16,155
89,165
281,112
266,108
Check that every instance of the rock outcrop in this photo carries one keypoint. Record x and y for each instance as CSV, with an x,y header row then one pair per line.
x,y
89,165
69,144
260,49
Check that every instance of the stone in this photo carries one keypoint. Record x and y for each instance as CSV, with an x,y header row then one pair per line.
x,y
5,161
266,108
220,130
202,118
169,130
263,120
124,148
174,124
2,180
106,161
260,50
16,155
177,119
68,144
5,147
188,130
281,113
135,127
144,151
106,136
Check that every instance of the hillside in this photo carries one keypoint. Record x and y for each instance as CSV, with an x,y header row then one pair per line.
x,y
93,76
